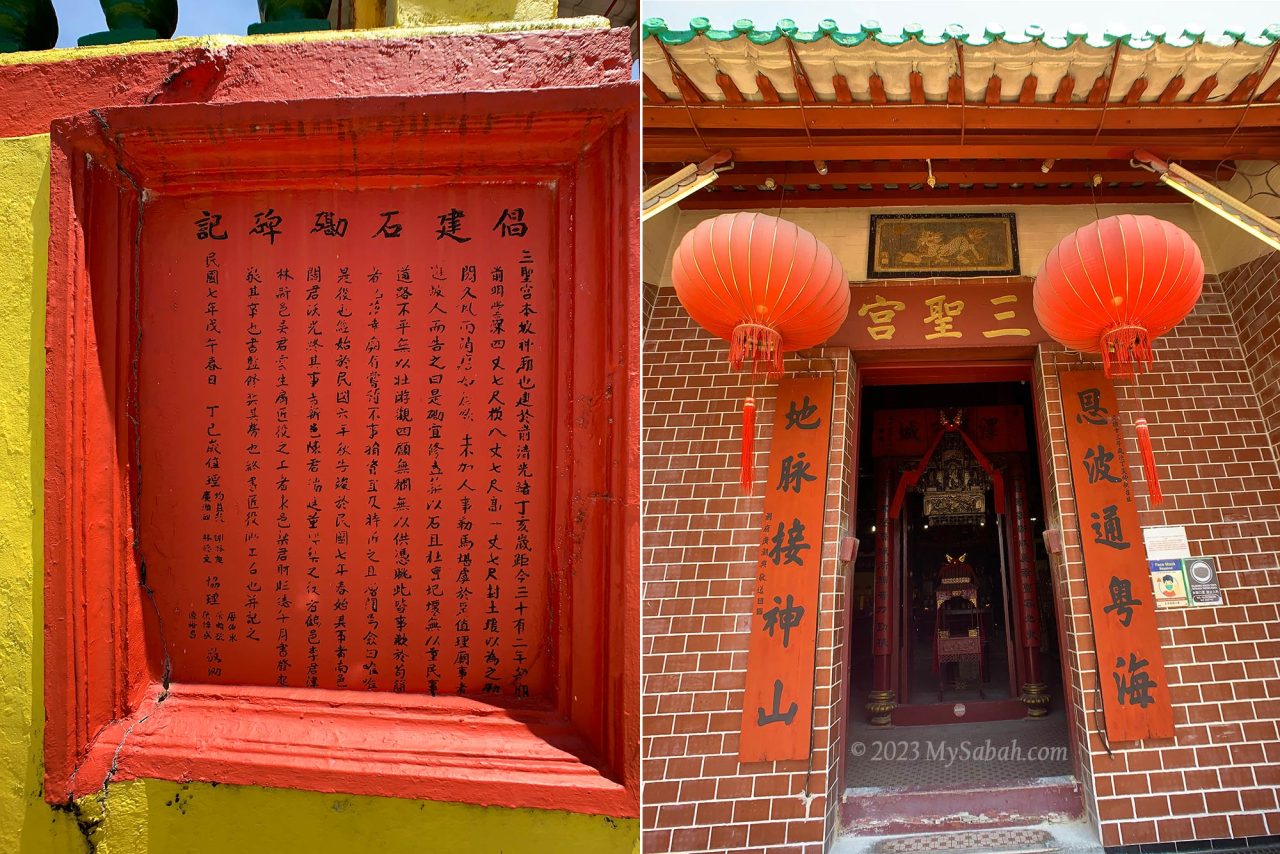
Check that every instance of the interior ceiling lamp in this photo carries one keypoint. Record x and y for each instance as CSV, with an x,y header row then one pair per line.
x,y
1113,287
682,184
767,287
1205,193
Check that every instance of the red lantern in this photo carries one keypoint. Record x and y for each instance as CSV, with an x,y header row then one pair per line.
x,y
766,286
1114,286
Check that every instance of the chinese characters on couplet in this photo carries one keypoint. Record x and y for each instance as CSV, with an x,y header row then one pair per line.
x,y
374,436
784,620
1128,649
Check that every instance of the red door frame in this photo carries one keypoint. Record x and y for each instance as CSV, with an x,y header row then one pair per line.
x,y
940,373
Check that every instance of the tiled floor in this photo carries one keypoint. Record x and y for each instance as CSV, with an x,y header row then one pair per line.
x,y
958,755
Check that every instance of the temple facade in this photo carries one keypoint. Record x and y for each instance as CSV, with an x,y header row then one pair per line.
x,y
959,600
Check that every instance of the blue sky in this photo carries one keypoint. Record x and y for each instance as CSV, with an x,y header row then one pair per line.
x,y
1054,15
195,18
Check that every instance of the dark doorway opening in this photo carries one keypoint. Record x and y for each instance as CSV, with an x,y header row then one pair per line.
x,y
951,566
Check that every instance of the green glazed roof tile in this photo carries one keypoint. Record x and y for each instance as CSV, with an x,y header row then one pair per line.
x,y
991,34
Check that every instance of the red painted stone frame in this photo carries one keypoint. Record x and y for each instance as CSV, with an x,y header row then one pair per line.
x,y
112,711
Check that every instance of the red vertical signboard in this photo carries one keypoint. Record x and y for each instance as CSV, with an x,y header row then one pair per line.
x,y
1135,690
777,711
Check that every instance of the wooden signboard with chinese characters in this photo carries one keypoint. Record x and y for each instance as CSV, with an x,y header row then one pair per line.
x,y
1135,689
909,432
777,711
925,316
346,405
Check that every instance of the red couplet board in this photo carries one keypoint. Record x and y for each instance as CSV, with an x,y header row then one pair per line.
x,y
777,711
1135,690
346,404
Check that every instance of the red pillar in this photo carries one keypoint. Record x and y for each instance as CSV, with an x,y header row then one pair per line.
x,y
881,700
1034,692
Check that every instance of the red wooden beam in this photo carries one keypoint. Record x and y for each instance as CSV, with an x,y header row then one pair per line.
x,y
980,117
1098,91
993,89
730,89
767,91
844,95
1135,91
687,88
652,93
878,144
916,80
877,89
1272,92
1171,90
1244,88
955,90
722,198
1202,94
1065,87
1028,93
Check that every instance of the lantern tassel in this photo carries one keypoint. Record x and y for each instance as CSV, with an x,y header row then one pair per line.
x,y
1125,350
1149,463
748,443
758,344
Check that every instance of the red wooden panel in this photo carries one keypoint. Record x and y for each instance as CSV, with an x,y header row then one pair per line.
x,y
1134,687
777,711
346,434
916,316
910,432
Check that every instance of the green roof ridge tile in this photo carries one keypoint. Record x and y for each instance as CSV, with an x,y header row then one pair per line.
x,y
829,28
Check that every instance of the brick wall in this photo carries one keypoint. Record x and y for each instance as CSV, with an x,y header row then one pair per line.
x,y
1220,775
700,544
1253,291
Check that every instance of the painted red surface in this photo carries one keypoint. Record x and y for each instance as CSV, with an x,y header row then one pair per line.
x,y
1136,700
777,706
36,95
346,433
121,679
907,432
927,315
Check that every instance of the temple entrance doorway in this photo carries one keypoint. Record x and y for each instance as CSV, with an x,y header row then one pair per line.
x,y
956,703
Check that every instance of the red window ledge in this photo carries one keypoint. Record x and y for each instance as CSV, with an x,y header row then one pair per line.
x,y
111,715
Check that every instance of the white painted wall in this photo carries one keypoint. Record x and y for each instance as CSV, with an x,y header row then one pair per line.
x,y
1231,246
845,230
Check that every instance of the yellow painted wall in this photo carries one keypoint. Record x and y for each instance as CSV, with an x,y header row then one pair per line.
x,y
152,816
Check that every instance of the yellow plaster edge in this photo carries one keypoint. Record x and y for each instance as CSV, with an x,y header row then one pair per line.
x,y
219,42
